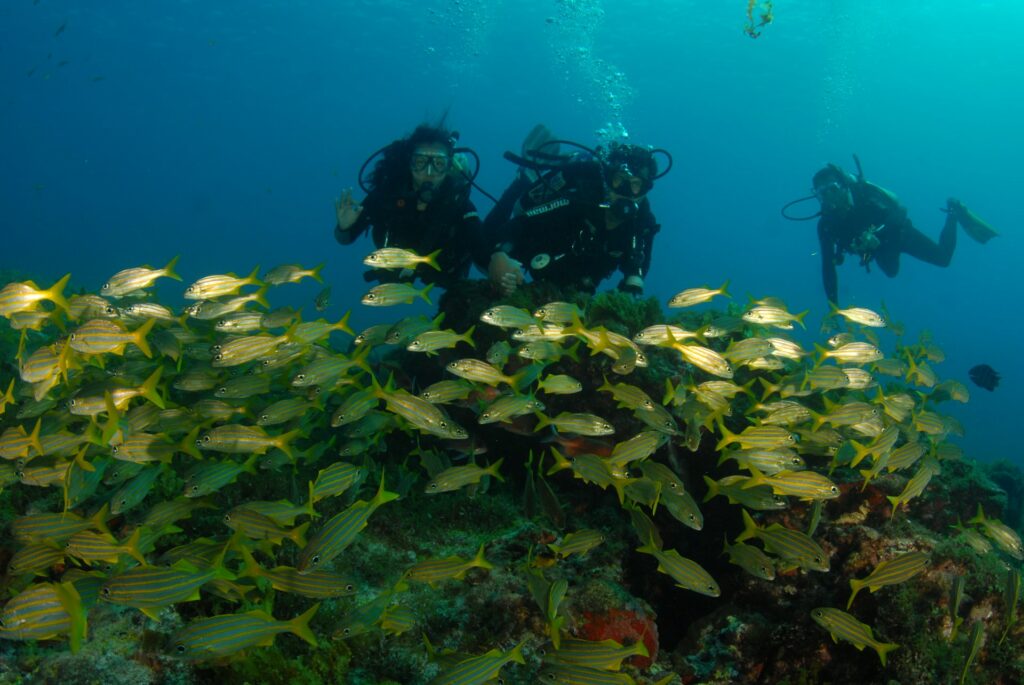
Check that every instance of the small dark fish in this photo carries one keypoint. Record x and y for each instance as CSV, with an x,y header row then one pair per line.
x,y
984,376
63,63
323,299
60,29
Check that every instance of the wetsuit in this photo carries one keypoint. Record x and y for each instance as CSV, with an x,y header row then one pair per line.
x,y
450,223
562,216
874,208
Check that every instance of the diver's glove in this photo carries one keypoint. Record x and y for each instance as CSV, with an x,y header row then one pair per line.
x,y
634,285
955,207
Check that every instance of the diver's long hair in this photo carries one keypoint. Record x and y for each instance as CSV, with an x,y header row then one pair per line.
x,y
391,174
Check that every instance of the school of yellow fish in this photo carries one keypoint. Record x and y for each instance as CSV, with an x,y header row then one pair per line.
x,y
118,391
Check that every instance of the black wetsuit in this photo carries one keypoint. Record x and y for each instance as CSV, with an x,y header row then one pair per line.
x,y
449,223
561,216
839,233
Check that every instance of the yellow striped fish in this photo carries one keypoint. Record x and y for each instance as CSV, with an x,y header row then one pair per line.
x,y
688,574
559,672
340,531
221,636
791,545
44,611
24,297
399,258
606,655
841,625
807,485
480,669
100,336
137,278
890,572
314,585
151,588
435,571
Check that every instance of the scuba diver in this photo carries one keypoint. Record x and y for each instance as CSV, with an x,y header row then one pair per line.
x,y
867,221
575,219
417,198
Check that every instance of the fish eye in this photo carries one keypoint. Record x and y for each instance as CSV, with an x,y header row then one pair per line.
x,y
206,439
106,286
315,561
123,502
432,486
179,648
195,489
105,591
264,417
834,490
227,518
350,587
300,377
114,449
72,336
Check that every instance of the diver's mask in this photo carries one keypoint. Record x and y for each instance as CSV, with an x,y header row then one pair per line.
x,y
823,191
627,189
428,170
430,164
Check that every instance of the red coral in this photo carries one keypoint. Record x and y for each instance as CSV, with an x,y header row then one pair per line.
x,y
625,627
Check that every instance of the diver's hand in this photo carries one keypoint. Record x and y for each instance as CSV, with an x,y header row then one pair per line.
x,y
347,210
505,273
955,207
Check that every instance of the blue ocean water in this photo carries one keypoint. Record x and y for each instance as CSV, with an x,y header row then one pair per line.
x,y
223,132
